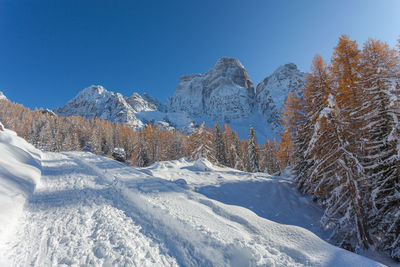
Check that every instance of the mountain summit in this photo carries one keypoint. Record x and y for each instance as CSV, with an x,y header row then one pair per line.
x,y
223,93
96,102
226,94
272,92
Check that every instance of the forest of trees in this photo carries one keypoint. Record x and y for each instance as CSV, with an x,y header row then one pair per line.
x,y
343,137
49,132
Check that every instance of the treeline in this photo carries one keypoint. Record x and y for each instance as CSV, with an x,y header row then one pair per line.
x,y
343,137
49,132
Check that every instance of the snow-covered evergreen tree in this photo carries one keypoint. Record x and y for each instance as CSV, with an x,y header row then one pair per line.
x,y
220,149
381,134
315,94
253,151
201,144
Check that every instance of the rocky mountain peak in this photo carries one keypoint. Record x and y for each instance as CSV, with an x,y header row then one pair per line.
x,y
272,92
2,96
233,70
225,92
96,102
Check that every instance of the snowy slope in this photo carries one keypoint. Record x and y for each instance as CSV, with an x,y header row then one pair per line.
x,y
19,175
2,96
93,211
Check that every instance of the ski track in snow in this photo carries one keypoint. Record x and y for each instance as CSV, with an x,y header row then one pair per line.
x,y
71,220
93,211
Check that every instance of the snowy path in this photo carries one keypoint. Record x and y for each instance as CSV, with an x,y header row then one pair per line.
x,y
93,211
71,220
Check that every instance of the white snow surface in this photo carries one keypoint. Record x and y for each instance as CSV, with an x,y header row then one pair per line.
x,y
93,211
20,171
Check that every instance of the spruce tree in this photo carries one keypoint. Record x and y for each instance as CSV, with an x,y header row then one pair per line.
x,y
220,149
253,151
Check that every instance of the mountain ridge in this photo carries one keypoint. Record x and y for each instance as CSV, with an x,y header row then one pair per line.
x,y
223,94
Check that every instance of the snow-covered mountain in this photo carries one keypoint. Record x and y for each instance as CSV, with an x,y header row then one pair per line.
x,y
224,94
136,110
2,96
271,93
96,101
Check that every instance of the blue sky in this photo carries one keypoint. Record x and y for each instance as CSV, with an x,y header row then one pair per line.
x,y
50,50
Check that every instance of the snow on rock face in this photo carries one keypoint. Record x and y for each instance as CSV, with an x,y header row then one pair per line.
x,y
153,101
138,103
2,96
96,101
272,92
223,93
136,110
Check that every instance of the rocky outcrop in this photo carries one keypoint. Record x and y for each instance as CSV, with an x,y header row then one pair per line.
x,y
223,93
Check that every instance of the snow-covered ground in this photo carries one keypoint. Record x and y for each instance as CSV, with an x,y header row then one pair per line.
x,y
79,209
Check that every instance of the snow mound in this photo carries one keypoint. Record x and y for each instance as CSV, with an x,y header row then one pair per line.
x,y
20,172
203,165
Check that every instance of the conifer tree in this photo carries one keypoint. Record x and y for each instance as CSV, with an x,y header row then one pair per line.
x,y
337,177
253,151
315,99
381,109
201,144
220,149
290,118
234,156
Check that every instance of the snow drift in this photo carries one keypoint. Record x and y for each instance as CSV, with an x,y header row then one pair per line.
x,y
19,175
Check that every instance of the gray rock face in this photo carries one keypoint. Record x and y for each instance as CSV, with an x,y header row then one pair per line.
x,y
223,93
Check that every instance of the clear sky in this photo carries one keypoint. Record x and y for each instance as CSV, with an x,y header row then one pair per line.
x,y
50,50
